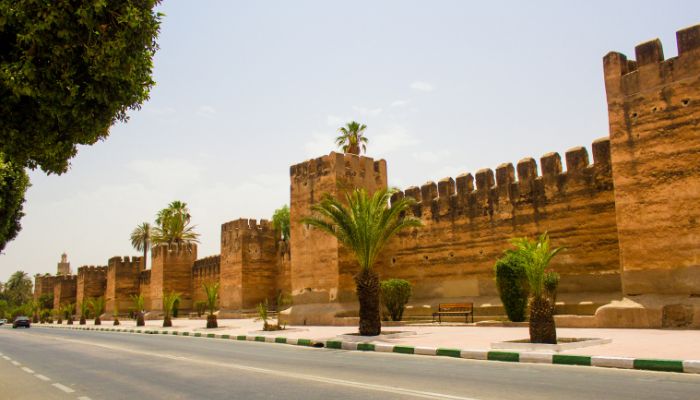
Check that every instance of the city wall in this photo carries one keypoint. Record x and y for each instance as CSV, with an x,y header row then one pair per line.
x,y
91,283
627,214
123,277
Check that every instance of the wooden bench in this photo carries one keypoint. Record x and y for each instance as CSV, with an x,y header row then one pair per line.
x,y
454,309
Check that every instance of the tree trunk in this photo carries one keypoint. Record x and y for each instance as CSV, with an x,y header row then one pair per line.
x,y
167,322
211,321
367,283
98,321
354,149
83,321
139,320
145,252
70,320
542,328
116,321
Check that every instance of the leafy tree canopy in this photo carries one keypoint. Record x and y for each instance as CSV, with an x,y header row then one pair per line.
x,y
68,71
13,184
18,289
280,221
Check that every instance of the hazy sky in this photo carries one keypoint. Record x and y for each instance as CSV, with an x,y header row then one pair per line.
x,y
245,89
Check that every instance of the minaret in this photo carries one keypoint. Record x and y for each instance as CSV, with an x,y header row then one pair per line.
x,y
63,266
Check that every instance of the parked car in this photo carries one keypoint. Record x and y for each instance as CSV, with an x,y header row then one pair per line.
x,y
21,321
3,321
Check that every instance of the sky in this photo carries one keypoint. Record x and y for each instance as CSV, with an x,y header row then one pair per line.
x,y
246,89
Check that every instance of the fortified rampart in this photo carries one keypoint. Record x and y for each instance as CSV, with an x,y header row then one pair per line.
x,y
91,283
43,285
171,271
123,275
64,290
204,270
248,264
629,220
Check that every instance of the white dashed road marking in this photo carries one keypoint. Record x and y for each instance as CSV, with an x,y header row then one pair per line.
x,y
84,398
27,370
15,363
6,358
42,377
64,388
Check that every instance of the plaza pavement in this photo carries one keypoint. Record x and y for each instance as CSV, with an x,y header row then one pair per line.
x,y
633,343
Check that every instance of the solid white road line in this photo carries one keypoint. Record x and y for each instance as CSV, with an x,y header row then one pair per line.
x,y
63,388
282,374
42,377
27,370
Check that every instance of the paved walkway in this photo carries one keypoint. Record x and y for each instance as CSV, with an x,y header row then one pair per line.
x,y
635,343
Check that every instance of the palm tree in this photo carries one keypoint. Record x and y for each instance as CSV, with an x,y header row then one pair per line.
x,y
18,289
352,138
364,226
169,300
212,291
542,285
84,311
174,226
98,307
141,239
138,308
68,310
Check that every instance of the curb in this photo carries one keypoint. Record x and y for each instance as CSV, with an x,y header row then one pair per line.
x,y
647,364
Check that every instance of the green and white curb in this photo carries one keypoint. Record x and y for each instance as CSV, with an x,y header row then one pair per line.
x,y
648,364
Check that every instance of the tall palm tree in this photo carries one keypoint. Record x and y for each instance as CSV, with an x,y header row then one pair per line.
x,y
364,224
141,239
351,138
18,288
98,307
169,300
174,226
542,286
212,291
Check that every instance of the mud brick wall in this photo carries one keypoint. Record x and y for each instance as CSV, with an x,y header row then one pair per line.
x,y
144,289
171,271
123,275
248,264
205,270
65,290
91,283
44,284
467,227
654,115
321,270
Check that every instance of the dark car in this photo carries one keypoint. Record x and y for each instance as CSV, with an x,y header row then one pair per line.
x,y
21,321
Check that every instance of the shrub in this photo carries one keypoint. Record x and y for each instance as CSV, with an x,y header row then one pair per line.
x,y
395,294
201,307
511,282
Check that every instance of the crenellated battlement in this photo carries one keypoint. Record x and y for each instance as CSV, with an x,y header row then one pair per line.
x,y
343,164
174,250
66,278
207,266
650,70
251,225
125,263
86,270
512,184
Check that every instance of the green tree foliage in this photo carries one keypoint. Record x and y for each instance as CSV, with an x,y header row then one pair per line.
x,y
364,224
512,285
13,185
139,301
542,284
18,289
141,239
280,221
4,309
211,289
169,300
395,294
84,311
97,305
173,226
68,71
352,138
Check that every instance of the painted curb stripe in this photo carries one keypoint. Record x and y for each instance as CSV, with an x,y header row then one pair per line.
x,y
568,359
448,353
404,349
688,366
503,356
658,365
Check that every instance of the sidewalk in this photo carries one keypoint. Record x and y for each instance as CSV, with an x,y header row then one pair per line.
x,y
632,343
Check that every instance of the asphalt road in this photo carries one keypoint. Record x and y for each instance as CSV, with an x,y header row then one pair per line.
x,y
40,363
